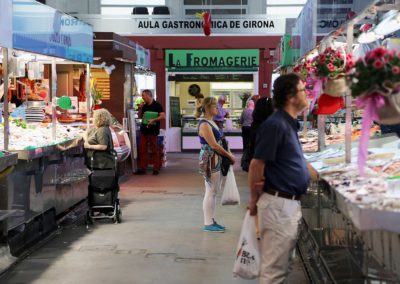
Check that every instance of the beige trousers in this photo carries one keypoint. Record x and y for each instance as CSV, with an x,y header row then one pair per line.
x,y
279,221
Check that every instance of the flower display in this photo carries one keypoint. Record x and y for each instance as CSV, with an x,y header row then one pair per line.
x,y
304,70
332,63
378,71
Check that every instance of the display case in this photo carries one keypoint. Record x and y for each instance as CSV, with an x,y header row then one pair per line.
x,y
350,234
190,139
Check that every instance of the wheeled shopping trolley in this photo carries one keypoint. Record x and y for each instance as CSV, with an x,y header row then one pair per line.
x,y
103,201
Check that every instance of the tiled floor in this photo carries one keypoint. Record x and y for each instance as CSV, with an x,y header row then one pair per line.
x,y
159,241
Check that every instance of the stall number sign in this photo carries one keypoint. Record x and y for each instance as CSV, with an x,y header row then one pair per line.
x,y
209,58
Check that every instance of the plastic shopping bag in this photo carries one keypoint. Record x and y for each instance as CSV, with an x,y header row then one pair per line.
x,y
248,258
230,195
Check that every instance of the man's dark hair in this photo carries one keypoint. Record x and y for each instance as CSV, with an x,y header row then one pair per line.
x,y
147,91
285,87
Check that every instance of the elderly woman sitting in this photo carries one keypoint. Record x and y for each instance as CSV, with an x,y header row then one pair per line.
x,y
99,139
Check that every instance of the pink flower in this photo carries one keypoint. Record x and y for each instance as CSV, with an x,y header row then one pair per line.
x,y
331,67
378,64
332,59
378,52
396,69
349,57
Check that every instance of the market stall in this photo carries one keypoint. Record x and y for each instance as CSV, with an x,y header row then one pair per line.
x,y
50,175
350,230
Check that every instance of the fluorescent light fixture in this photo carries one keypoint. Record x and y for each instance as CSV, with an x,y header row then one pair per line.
x,y
232,86
389,24
368,37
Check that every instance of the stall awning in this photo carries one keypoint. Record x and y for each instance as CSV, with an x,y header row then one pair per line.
x,y
38,28
113,46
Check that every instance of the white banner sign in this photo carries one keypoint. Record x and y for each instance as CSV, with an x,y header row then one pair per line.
x,y
257,25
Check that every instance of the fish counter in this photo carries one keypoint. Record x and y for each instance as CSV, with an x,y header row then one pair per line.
x,y
350,229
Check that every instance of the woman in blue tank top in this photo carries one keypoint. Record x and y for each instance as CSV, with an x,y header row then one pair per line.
x,y
210,161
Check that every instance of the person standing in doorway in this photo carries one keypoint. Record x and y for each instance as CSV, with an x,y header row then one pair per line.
x,y
210,161
149,132
222,113
278,176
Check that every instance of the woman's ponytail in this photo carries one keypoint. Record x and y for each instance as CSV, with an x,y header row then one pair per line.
x,y
199,111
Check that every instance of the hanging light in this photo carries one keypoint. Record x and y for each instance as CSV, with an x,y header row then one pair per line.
x,y
389,24
368,37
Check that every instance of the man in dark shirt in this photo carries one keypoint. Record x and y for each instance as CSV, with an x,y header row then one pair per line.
x,y
278,176
149,132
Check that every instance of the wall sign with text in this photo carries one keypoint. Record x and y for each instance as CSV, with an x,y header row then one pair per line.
x,y
212,58
218,26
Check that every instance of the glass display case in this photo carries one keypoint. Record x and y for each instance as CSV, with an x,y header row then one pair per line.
x,y
190,140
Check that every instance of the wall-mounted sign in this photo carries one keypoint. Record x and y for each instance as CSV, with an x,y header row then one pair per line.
x,y
142,57
212,58
41,29
139,25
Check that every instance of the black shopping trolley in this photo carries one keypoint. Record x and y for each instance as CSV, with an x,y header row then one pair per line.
x,y
103,202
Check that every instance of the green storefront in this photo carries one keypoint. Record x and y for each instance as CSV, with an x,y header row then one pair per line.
x,y
211,72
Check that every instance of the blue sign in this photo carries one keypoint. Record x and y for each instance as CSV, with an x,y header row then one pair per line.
x,y
5,23
41,29
142,57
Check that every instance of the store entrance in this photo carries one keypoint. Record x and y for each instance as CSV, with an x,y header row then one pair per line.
x,y
186,87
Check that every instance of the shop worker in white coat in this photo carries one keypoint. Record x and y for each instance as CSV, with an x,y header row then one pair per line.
x,y
278,176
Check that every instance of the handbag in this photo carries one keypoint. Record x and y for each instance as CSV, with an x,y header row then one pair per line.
x,y
230,195
225,162
246,158
248,256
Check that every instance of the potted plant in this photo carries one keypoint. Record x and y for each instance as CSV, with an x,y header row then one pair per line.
x,y
376,84
244,97
332,66
304,70
97,95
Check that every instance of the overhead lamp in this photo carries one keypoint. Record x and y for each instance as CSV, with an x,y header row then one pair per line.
x,y
109,69
368,37
389,24
98,66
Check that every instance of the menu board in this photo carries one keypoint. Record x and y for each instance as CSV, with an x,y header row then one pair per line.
x,y
175,111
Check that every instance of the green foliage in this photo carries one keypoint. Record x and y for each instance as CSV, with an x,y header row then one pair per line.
x,y
97,94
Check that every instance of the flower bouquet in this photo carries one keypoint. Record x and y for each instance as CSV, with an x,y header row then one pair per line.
x,y
304,70
377,78
375,84
333,65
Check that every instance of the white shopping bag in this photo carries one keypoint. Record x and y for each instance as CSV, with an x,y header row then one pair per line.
x,y
247,263
230,195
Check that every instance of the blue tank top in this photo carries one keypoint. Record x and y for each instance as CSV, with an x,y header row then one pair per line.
x,y
217,133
